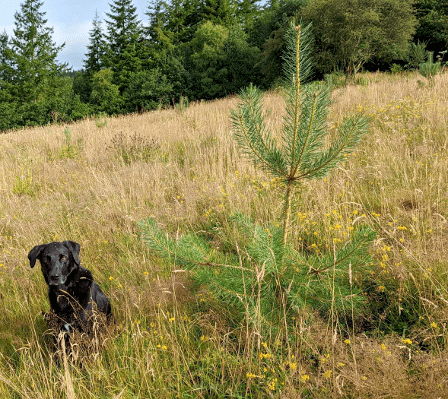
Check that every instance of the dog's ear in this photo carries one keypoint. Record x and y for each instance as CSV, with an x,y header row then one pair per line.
x,y
74,248
35,254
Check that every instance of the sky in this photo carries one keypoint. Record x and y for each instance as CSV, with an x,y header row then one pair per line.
x,y
71,20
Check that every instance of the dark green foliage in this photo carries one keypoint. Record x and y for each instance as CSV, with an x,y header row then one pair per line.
x,y
178,20
59,104
173,22
268,32
96,48
241,61
416,55
351,32
125,51
105,95
147,90
33,54
9,116
220,61
33,89
82,85
207,58
219,12
432,27
201,48
429,69
5,62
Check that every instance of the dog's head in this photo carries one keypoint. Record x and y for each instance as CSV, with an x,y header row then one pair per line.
x,y
59,260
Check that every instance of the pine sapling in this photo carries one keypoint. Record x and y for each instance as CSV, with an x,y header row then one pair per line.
x,y
258,272
302,153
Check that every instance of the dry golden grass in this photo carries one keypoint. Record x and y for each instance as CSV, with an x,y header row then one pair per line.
x,y
185,170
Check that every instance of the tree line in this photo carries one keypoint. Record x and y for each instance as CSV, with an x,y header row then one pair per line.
x,y
201,49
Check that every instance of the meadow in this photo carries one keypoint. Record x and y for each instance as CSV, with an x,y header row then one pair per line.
x,y
92,181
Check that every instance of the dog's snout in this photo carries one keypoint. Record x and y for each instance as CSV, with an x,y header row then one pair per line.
x,y
56,279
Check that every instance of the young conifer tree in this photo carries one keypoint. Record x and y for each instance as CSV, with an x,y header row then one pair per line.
x,y
259,273
302,153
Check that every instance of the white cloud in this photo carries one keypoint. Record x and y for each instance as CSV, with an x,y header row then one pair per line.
x,y
76,38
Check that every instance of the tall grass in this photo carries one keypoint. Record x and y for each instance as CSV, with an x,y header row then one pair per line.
x,y
174,339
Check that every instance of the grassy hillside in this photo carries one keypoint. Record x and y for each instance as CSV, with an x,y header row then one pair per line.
x,y
92,184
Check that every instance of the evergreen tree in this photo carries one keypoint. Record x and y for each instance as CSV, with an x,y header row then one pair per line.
x,y
5,65
178,20
125,53
241,61
95,52
267,33
4,40
33,89
175,21
8,107
247,13
33,56
220,12
259,272
82,85
206,62
165,53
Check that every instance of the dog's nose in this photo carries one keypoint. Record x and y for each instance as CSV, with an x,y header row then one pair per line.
x,y
54,278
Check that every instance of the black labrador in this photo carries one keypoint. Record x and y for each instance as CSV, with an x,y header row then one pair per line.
x,y
74,296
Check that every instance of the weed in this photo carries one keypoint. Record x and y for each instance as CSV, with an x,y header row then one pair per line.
x,y
70,150
396,69
133,148
182,104
101,120
361,81
429,69
336,80
24,184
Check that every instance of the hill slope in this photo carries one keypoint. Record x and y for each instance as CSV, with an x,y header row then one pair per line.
x,y
93,183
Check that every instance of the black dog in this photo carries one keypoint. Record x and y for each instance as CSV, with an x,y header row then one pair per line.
x,y
74,296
